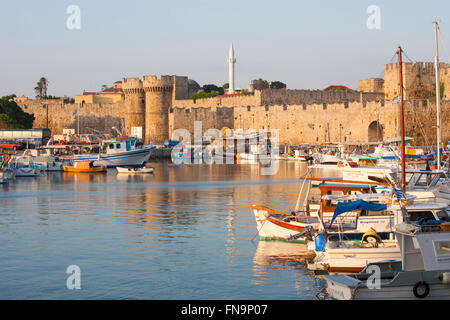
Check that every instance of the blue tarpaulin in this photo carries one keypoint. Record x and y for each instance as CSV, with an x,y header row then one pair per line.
x,y
343,207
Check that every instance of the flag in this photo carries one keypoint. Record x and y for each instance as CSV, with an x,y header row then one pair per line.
x,y
396,99
75,112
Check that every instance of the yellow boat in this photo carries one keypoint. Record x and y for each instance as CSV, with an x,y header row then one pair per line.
x,y
84,166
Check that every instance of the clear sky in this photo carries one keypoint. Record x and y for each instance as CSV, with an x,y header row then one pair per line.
x,y
306,44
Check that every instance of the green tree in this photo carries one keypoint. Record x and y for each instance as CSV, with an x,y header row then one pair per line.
x,y
260,84
226,85
277,85
203,94
41,87
12,116
212,87
104,87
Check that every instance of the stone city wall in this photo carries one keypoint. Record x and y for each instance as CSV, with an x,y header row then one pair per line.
x,y
100,117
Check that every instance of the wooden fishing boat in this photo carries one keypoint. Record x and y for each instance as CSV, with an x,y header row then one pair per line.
x,y
274,225
135,170
85,167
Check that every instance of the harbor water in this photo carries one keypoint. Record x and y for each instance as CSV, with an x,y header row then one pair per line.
x,y
184,232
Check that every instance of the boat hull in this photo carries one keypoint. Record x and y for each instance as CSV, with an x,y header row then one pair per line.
x,y
401,287
27,172
270,228
134,170
92,170
128,158
349,260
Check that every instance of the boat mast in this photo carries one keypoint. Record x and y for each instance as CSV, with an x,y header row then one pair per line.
x,y
402,116
438,97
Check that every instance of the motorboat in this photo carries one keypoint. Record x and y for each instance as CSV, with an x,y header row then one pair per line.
x,y
43,158
423,271
24,168
337,251
84,167
275,225
135,170
118,153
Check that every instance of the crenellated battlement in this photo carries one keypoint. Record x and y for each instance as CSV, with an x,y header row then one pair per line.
x,y
151,83
132,85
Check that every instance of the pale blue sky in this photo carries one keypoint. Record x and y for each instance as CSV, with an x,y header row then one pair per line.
x,y
306,44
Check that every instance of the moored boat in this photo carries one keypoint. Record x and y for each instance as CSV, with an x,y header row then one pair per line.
x,y
423,271
118,153
84,167
135,170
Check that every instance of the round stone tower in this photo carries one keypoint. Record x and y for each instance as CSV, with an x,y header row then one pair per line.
x,y
134,105
158,100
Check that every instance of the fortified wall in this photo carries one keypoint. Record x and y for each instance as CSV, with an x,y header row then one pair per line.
x,y
90,117
156,107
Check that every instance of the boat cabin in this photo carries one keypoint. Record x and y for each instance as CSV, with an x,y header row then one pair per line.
x,y
123,145
83,165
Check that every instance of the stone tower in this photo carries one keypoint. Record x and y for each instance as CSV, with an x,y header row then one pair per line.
x,y
134,104
231,62
419,80
158,100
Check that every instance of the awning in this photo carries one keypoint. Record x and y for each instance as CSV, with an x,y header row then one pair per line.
x,y
343,207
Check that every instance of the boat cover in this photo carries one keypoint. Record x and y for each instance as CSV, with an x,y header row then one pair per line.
x,y
343,207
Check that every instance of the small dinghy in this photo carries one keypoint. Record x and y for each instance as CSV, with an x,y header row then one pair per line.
x,y
134,170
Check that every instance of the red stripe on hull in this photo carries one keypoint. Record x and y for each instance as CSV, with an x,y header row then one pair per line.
x,y
285,225
345,269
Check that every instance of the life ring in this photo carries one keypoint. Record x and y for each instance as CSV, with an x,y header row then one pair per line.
x,y
6,158
421,289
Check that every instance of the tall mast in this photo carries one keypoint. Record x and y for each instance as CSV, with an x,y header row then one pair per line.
x,y
402,116
438,97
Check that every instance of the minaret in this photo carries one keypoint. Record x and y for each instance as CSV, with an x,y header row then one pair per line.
x,y
231,62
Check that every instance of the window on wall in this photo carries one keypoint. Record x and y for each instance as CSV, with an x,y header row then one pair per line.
x,y
284,107
249,108
364,104
267,108
304,106
346,104
382,103
324,106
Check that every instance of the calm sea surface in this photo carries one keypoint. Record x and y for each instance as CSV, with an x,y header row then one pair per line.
x,y
183,233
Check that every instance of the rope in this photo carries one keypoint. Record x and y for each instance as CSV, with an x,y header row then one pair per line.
x,y
355,292
443,42
257,233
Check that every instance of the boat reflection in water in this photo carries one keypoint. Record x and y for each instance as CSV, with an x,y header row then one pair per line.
x,y
273,258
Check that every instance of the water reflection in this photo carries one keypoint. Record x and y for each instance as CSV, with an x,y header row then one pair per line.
x,y
182,233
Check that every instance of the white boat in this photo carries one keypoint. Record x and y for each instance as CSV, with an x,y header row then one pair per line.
x,y
135,170
353,172
24,168
339,254
274,225
424,271
118,153
43,158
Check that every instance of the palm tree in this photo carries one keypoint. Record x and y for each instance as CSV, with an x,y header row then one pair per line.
x,y
41,88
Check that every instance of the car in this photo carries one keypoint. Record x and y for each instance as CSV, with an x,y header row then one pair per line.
x,y
14,145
